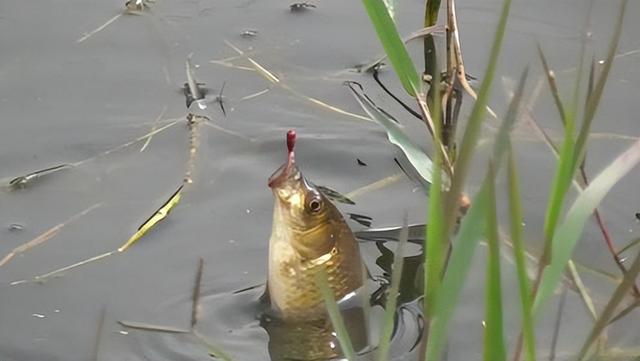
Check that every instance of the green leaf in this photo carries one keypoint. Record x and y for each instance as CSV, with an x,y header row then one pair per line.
x,y
566,236
526,299
334,313
593,101
471,231
435,243
416,156
431,12
494,348
393,45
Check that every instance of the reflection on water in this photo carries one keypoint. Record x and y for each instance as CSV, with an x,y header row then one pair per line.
x,y
313,340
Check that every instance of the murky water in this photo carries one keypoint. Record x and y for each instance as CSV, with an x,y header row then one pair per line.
x,y
66,102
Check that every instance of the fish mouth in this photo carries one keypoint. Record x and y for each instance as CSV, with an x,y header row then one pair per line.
x,y
283,173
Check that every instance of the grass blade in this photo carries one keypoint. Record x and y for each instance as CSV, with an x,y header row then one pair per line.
x,y
566,237
471,231
515,208
593,101
551,79
627,283
561,182
334,313
392,298
416,156
393,45
494,347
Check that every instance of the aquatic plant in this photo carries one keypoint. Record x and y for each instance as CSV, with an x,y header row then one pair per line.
x,y
454,231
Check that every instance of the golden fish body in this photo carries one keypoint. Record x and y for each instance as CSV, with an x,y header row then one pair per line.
x,y
313,339
308,234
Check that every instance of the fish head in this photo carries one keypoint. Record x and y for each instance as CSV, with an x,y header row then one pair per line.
x,y
305,214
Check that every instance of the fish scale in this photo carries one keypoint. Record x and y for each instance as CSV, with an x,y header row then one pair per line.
x,y
304,299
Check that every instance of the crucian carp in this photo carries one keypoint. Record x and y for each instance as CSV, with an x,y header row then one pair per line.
x,y
308,234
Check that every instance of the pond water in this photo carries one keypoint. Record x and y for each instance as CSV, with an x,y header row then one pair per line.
x,y
66,99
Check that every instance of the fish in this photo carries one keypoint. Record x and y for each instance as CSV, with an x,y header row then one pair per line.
x,y
308,234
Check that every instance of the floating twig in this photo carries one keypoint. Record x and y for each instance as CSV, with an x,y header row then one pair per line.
x,y
262,70
96,349
44,277
379,184
195,296
132,7
151,327
153,128
276,81
158,216
171,123
50,233
254,95
98,29
24,180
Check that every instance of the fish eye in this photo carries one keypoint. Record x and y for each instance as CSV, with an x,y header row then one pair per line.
x,y
315,205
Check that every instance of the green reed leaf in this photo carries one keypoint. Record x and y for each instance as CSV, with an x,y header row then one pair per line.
x,y
463,249
435,241
593,100
566,237
519,251
431,12
393,45
334,313
494,347
416,156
